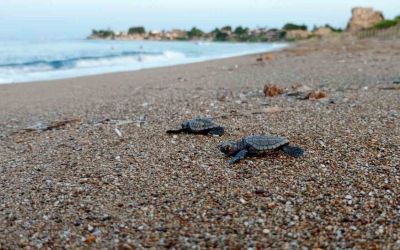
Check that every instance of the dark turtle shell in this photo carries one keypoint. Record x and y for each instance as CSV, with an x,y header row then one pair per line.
x,y
262,143
201,124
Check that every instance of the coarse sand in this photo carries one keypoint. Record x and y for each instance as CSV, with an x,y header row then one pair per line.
x,y
112,178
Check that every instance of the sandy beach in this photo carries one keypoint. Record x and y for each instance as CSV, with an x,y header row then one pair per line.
x,y
112,177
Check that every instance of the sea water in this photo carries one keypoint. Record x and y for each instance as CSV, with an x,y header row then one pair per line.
x,y
26,61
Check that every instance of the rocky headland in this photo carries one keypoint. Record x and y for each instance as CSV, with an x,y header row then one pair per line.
x,y
362,19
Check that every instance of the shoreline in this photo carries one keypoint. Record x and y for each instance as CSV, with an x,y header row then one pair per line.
x,y
167,57
113,178
258,54
83,77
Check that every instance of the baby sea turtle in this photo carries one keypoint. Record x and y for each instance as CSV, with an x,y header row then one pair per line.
x,y
199,126
256,145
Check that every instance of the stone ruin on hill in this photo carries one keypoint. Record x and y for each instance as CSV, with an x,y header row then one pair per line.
x,y
363,18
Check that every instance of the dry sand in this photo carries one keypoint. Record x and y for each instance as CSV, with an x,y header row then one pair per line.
x,y
84,186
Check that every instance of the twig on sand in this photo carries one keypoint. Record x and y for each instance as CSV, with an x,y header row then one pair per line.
x,y
52,125
390,88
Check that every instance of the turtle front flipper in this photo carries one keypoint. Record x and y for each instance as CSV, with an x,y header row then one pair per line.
x,y
239,156
217,131
293,151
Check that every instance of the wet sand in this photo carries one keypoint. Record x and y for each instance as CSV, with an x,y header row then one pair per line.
x,y
83,185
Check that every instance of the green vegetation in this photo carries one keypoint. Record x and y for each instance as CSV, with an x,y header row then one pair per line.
x,y
291,26
182,38
242,34
226,33
103,33
387,24
220,35
227,28
240,31
136,30
337,30
195,33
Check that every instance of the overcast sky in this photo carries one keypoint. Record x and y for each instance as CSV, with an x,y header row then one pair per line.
x,y
75,18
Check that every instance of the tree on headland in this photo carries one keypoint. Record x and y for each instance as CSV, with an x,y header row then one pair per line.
x,y
220,35
292,26
227,28
137,30
103,33
240,31
241,34
195,32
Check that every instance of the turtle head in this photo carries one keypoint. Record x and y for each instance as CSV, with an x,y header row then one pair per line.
x,y
185,125
228,147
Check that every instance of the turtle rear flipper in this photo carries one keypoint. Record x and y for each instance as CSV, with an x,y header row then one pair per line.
x,y
293,151
217,131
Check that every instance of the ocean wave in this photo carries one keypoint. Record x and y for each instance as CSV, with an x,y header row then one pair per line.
x,y
124,58
26,62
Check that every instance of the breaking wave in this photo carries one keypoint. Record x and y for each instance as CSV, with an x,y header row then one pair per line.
x,y
86,62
